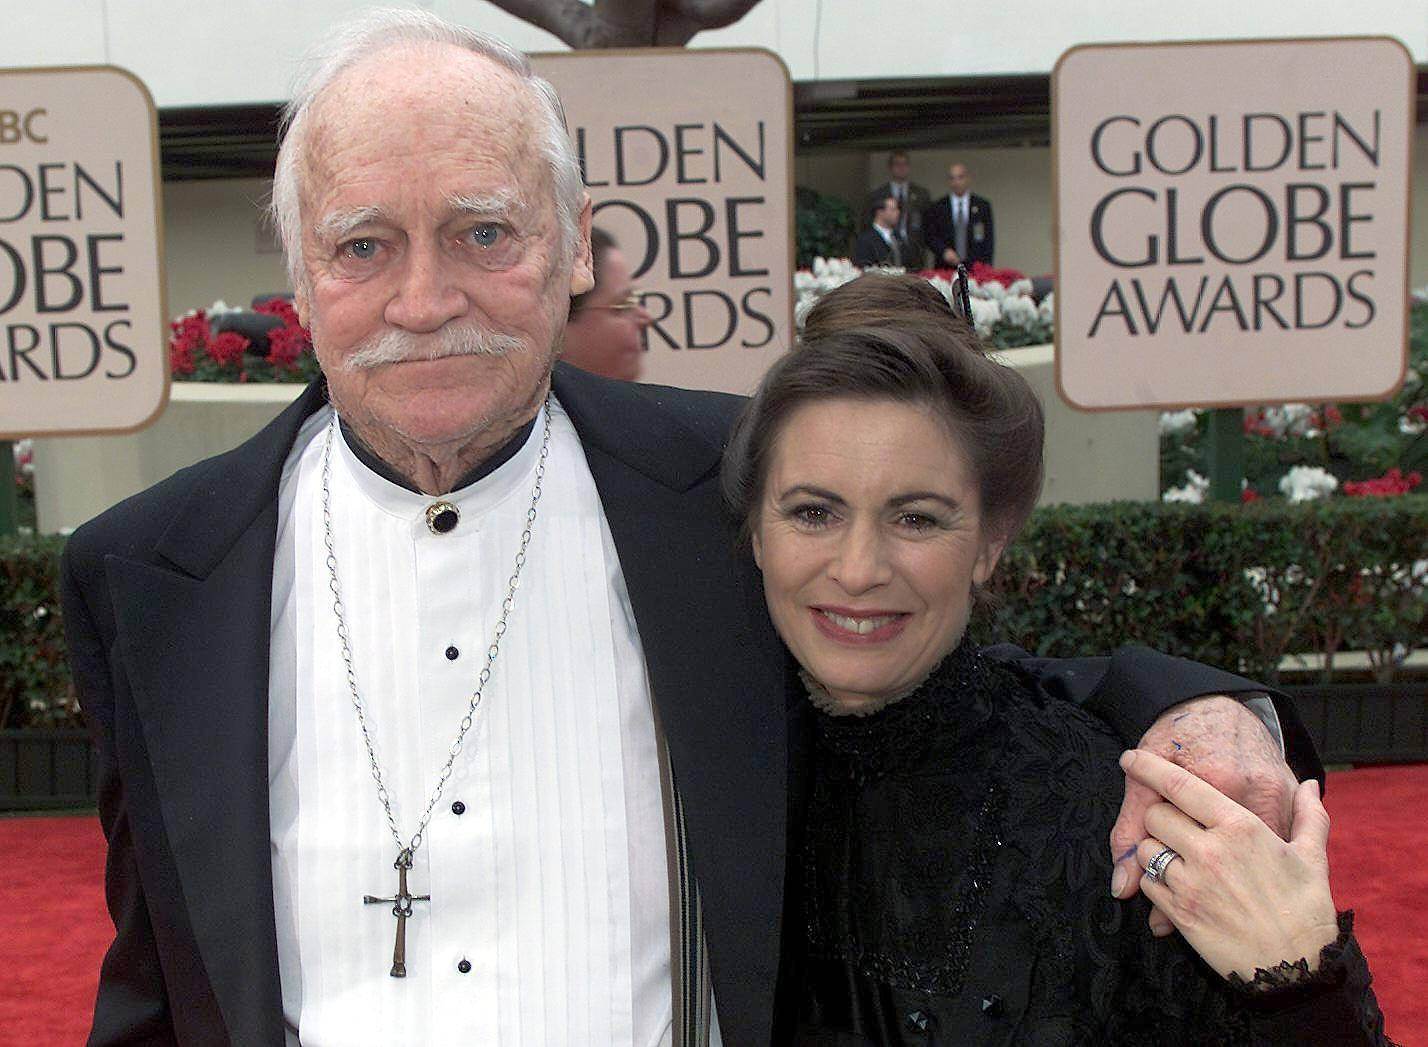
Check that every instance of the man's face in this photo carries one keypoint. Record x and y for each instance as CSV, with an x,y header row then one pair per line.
x,y
957,179
889,213
607,334
899,167
429,219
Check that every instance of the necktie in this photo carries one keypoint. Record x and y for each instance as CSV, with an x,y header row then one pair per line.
x,y
959,228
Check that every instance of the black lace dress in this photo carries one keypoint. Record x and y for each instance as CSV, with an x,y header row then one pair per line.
x,y
956,891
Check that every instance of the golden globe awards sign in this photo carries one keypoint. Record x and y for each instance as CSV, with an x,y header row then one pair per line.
x,y
82,322
1232,222
687,157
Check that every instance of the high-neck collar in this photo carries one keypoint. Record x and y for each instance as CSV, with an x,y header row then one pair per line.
x,y
956,696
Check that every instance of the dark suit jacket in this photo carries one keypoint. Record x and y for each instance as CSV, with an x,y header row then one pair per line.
x,y
871,249
167,602
981,235
918,200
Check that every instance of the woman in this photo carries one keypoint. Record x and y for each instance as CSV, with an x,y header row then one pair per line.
x,y
954,862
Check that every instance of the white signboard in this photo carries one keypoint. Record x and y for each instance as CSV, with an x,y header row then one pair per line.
x,y
83,344
687,156
1232,221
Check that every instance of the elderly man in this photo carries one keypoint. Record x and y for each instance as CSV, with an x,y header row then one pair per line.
x,y
444,710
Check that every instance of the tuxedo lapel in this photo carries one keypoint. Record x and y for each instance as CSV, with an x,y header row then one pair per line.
x,y
716,669
192,632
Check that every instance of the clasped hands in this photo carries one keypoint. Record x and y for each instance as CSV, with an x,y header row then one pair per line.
x,y
1250,887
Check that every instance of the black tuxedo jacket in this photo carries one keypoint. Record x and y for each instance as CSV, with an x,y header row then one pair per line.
x,y
871,249
167,607
981,234
913,208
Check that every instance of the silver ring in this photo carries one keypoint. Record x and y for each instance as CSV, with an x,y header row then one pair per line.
x,y
1155,868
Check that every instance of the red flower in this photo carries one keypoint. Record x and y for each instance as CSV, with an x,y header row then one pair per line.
x,y
180,358
1332,415
1419,412
286,346
1390,483
189,332
227,348
1249,494
281,308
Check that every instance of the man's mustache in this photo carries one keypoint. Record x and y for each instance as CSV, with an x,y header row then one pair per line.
x,y
396,346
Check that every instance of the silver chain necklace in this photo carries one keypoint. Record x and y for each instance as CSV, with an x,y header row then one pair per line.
x,y
402,900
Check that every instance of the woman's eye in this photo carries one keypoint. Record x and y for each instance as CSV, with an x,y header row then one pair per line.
x,y
917,521
811,515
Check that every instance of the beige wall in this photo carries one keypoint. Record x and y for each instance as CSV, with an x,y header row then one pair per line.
x,y
217,245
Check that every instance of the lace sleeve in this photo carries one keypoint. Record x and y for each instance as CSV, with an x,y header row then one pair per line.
x,y
1331,1005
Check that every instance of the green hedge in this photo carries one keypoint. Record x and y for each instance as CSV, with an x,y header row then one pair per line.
x,y
1237,586
1194,580
34,680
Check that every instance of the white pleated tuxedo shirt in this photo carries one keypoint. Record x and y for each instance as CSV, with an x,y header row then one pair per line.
x,y
549,918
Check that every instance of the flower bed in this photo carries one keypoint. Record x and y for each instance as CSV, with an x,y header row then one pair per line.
x,y
1303,452
1003,309
228,344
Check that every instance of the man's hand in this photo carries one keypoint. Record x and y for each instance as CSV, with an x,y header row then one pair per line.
x,y
1215,738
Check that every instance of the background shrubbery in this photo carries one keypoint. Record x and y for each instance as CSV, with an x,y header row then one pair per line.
x,y
1237,586
34,680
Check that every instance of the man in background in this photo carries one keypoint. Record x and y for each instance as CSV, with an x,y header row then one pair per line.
x,y
912,200
606,331
959,225
882,244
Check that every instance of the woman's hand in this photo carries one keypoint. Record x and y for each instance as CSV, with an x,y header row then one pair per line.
x,y
1240,895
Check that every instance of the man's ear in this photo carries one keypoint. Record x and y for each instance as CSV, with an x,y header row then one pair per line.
x,y
582,272
301,302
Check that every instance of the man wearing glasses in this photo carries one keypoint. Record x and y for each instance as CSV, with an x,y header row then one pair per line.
x,y
606,332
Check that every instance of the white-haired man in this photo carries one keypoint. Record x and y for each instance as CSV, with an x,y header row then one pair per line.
x,y
444,710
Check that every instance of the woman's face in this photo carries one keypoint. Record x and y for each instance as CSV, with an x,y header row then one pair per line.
x,y
870,539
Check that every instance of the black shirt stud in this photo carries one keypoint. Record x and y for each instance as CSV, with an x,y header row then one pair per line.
x,y
441,517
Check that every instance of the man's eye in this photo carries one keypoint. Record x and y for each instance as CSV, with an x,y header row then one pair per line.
x,y
487,234
363,248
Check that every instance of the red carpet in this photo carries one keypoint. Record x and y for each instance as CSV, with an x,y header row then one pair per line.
x,y
56,929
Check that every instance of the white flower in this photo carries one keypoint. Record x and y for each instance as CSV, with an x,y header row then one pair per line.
x,y
1290,420
41,612
1176,423
985,314
1258,579
1193,490
1408,427
1046,311
1019,310
219,307
1304,483
1022,286
993,289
